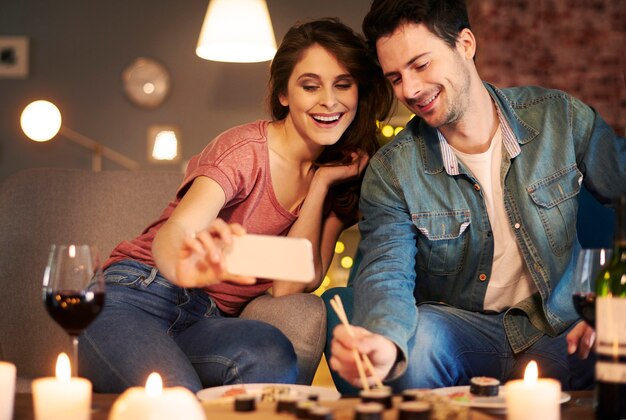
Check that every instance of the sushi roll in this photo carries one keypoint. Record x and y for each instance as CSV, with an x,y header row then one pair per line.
x,y
245,402
287,404
416,394
414,410
369,411
303,408
484,386
378,395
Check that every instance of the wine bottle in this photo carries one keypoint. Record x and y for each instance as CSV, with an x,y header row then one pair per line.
x,y
611,327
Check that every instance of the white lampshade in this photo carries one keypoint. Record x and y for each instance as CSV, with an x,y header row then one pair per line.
x,y
237,31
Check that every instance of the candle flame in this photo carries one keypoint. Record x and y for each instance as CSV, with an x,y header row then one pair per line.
x,y
531,373
63,368
72,251
154,385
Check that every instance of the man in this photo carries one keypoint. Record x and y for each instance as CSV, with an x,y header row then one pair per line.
x,y
469,215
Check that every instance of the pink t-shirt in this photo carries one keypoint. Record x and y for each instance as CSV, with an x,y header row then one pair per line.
x,y
238,160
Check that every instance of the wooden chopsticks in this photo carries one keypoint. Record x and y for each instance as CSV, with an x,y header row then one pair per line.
x,y
337,305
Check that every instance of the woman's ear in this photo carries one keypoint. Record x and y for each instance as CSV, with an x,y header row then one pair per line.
x,y
466,43
283,100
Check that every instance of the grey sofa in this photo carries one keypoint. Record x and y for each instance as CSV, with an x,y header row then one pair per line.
x,y
39,207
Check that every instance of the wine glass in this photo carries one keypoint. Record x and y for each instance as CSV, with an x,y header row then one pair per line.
x,y
590,262
73,289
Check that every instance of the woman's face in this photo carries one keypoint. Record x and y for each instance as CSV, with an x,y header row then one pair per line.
x,y
322,97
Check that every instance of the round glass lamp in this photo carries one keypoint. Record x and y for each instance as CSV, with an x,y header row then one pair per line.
x,y
41,120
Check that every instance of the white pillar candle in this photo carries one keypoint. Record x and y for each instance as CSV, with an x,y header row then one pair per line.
x,y
7,390
155,403
62,397
533,398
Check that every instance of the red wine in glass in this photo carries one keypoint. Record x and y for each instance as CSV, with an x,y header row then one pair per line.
x,y
74,309
73,289
588,265
585,305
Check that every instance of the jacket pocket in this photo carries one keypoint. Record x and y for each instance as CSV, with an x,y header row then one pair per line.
x,y
556,199
442,241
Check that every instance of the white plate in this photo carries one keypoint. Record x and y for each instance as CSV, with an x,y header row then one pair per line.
x,y
490,403
218,392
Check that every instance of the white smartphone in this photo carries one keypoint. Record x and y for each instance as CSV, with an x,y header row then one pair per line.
x,y
271,257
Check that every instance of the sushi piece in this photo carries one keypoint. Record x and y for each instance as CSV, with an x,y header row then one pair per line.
x,y
378,395
414,410
416,394
245,402
369,411
484,386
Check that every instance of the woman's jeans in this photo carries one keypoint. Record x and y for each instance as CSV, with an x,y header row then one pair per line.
x,y
452,345
150,325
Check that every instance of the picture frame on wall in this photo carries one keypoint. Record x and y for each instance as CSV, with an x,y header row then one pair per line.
x,y
13,57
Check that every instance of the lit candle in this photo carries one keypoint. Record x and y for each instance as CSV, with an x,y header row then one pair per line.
x,y
533,398
62,397
7,390
155,403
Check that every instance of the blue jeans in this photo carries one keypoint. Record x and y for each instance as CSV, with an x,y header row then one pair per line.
x,y
150,325
451,345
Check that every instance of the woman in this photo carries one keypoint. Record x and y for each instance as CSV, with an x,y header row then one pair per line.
x,y
170,305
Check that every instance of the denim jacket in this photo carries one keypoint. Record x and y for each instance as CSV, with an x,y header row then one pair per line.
x,y
426,235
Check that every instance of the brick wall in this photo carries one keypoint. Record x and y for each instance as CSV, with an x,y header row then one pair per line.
x,y
575,45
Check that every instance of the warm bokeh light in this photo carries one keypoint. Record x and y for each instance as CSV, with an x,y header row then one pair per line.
x,y
387,131
148,88
165,145
154,385
41,120
339,247
397,130
346,262
319,291
326,281
63,368
531,373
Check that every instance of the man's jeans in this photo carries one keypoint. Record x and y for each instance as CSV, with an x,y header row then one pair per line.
x,y
150,325
452,345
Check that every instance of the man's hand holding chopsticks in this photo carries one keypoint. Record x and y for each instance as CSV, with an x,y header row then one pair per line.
x,y
381,352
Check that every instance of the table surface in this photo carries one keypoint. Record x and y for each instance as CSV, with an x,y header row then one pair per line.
x,y
580,407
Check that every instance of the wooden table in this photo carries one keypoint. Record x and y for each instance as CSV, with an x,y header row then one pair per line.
x,y
578,408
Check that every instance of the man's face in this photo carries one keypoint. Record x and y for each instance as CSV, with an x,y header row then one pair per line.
x,y
430,78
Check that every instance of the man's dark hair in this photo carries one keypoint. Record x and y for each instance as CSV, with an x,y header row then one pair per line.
x,y
444,18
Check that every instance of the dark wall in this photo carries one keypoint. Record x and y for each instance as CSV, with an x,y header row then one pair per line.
x,y
572,45
78,50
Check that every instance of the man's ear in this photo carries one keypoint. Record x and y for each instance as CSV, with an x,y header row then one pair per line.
x,y
466,44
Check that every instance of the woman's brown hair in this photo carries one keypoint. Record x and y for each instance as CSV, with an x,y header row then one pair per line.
x,y
374,102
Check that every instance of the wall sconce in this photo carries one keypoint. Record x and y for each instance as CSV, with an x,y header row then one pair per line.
x,y
237,31
163,144
41,121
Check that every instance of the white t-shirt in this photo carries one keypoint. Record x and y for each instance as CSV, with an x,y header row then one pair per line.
x,y
510,280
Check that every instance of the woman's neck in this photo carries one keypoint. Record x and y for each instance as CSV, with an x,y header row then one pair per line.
x,y
285,141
